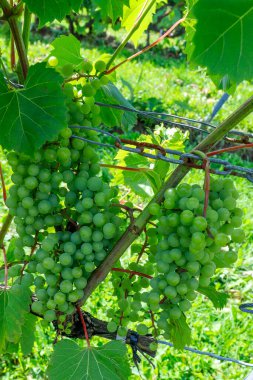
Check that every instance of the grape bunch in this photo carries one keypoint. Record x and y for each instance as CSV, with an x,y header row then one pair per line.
x,y
185,248
63,209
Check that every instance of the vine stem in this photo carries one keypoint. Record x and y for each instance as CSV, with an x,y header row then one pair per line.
x,y
11,17
143,13
5,228
125,168
134,230
5,267
132,272
166,34
230,149
80,314
3,184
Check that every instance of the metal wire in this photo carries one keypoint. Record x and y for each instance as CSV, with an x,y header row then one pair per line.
x,y
217,166
210,354
158,116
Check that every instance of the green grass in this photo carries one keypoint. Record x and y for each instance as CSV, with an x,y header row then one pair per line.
x,y
157,81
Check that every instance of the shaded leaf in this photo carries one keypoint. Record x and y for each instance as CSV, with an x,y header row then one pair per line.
x,y
28,334
50,10
70,361
14,306
218,299
35,114
222,37
111,117
67,50
10,251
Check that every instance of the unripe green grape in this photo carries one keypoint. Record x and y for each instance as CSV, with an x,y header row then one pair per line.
x,y
122,331
142,329
104,80
66,259
173,278
59,298
100,66
238,236
182,289
48,263
221,239
112,327
80,283
89,267
170,292
37,307
186,217
66,286
88,90
67,70
87,67
175,312
77,272
53,61
154,209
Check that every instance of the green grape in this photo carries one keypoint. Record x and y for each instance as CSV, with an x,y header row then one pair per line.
x,y
112,326
48,263
175,312
104,80
66,286
66,259
186,217
170,292
200,223
52,61
238,236
59,298
80,282
50,315
154,209
100,66
88,90
142,329
109,230
67,70
37,307
87,67
173,278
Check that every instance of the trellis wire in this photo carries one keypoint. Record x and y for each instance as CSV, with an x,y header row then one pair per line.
x,y
210,354
183,158
158,116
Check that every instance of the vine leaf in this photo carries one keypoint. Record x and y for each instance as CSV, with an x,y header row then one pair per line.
x,y
112,8
35,114
50,10
218,299
109,94
221,38
3,85
67,50
28,334
14,306
70,361
131,14
180,333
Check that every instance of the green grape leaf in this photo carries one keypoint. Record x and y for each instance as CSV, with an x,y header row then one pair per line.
x,y
109,94
222,38
10,251
50,10
14,306
67,50
111,8
70,361
3,85
180,332
219,299
28,334
35,114
131,14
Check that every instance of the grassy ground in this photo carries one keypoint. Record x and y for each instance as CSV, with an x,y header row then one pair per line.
x,y
155,81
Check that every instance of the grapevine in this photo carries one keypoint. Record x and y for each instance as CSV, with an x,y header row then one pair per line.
x,y
73,228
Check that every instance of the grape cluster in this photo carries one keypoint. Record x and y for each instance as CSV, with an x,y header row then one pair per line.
x,y
62,208
184,251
